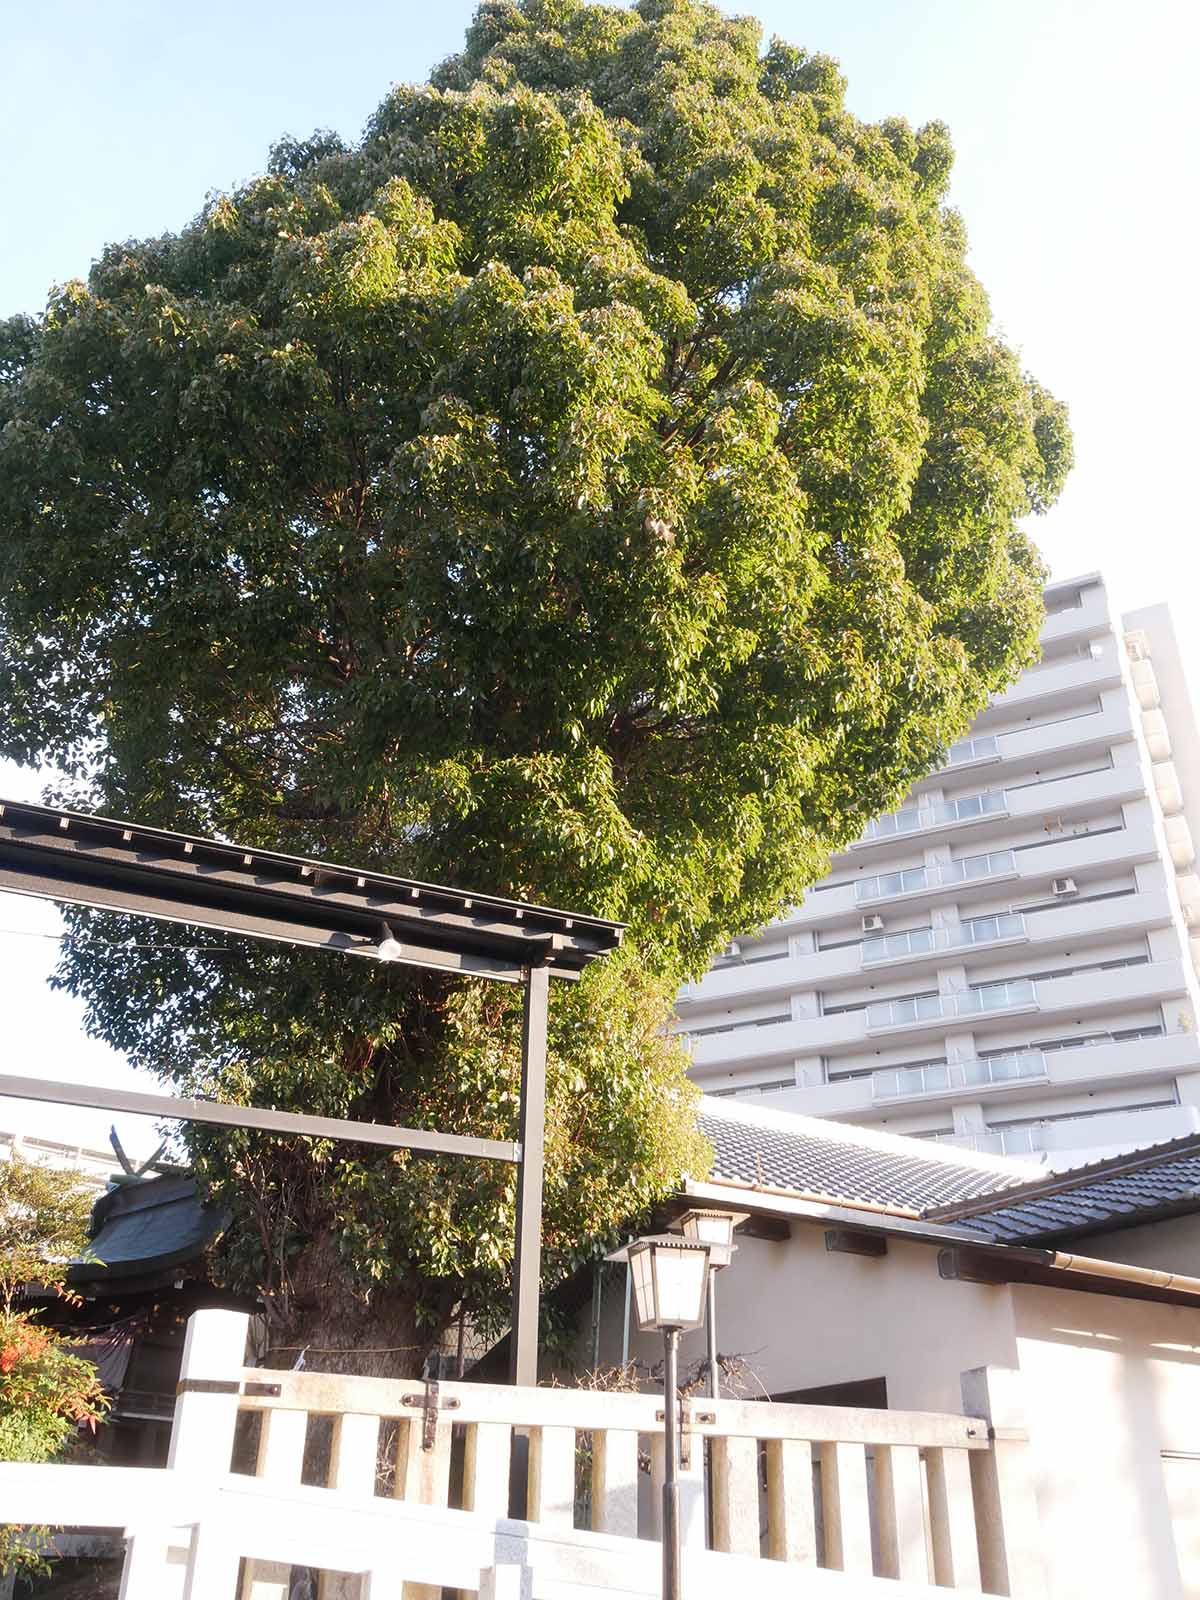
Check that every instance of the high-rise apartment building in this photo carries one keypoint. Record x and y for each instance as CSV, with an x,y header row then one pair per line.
x,y
1007,961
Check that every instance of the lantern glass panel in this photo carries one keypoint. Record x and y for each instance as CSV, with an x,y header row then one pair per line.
x,y
643,1288
680,1277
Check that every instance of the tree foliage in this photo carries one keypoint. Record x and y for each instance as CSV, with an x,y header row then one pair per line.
x,y
47,1393
601,483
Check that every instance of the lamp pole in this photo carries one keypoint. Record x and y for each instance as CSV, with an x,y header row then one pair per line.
x,y
670,1489
714,1387
669,1275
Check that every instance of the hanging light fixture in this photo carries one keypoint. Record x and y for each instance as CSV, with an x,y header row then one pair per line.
x,y
389,947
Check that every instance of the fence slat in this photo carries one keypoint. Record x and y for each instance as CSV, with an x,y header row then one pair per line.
x,y
952,1520
485,1468
353,1455
735,1496
693,1514
280,1460
615,1482
844,1507
552,1477
423,1477
212,1569
144,1575
901,1511
791,1518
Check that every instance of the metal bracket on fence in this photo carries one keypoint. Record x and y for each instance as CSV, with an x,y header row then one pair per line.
x,y
431,1403
688,1419
270,1391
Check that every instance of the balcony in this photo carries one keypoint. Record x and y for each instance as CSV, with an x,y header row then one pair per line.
x,y
1082,621
1145,684
1179,842
973,752
1116,1061
1157,737
890,1016
1059,681
887,948
1063,857
923,880
912,1083
1115,1130
1167,787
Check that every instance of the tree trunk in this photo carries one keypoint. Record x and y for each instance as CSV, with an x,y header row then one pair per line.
x,y
326,1325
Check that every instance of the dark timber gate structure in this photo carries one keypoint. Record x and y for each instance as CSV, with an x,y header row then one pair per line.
x,y
121,866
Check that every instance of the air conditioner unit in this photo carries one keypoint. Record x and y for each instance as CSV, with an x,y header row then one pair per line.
x,y
872,924
1061,886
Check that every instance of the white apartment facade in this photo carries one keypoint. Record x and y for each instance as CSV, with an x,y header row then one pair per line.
x,y
1008,961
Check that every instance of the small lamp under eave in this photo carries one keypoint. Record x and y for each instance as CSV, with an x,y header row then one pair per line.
x,y
711,1226
389,947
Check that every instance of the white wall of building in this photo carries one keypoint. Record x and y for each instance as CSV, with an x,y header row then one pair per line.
x,y
1031,986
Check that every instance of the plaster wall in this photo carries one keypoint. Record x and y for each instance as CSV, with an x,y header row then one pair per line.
x,y
1109,1386
803,1317
1172,1244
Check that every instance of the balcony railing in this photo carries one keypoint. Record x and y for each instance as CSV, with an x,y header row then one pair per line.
x,y
934,1007
892,825
884,885
923,941
980,748
969,808
911,819
902,1083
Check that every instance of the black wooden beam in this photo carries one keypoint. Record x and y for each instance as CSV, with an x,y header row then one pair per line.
x,y
208,883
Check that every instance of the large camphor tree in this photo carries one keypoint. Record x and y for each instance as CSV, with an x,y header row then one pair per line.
x,y
600,484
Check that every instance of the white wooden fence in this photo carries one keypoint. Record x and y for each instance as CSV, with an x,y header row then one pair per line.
x,y
413,1489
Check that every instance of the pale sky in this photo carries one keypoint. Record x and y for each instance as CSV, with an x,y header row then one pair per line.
x,y
1077,170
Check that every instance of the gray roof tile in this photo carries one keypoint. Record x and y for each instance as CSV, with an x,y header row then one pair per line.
x,y
783,1150
1118,1191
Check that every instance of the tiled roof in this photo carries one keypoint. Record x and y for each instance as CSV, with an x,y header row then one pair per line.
x,y
779,1149
1119,1191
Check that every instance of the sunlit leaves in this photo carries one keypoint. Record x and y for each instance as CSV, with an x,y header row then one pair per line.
x,y
602,483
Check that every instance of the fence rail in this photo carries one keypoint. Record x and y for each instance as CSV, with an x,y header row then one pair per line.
x,y
363,1480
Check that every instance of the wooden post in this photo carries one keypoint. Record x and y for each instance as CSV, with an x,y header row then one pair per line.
x,y
952,1520
214,1351
552,1477
693,1519
1003,1487
615,1482
901,1512
485,1468
845,1507
791,1519
280,1460
735,1495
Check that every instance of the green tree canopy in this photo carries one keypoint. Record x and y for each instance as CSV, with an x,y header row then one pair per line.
x,y
602,484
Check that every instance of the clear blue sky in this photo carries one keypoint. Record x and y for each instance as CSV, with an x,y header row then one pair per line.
x,y
1078,155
